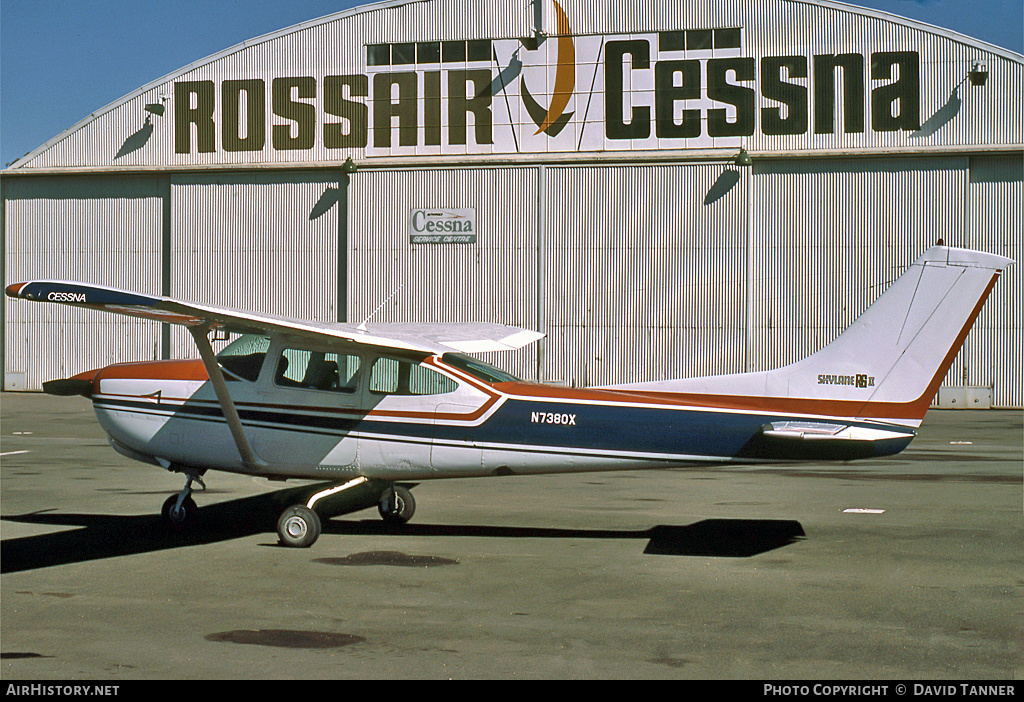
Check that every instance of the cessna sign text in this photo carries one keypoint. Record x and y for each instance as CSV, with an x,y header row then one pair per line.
x,y
595,93
443,226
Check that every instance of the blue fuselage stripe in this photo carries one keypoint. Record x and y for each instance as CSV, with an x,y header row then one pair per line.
x,y
526,424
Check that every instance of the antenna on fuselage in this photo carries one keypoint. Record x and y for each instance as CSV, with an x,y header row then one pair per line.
x,y
362,327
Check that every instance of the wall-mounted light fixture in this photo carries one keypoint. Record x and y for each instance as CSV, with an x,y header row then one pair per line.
x,y
157,108
979,73
349,166
743,158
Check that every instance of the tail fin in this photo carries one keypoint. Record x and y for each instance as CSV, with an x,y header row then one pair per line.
x,y
895,355
890,362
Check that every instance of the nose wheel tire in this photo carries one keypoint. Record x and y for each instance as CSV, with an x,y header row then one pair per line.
x,y
396,505
298,527
179,518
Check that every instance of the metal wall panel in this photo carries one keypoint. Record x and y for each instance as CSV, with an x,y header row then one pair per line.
x,y
492,280
260,242
830,236
105,231
589,17
642,273
995,354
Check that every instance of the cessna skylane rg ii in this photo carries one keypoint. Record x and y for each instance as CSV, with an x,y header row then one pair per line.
x,y
378,404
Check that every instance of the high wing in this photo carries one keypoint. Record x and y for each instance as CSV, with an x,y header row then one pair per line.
x,y
201,319
418,338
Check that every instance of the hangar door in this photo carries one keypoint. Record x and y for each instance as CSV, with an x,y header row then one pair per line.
x,y
830,236
996,358
490,276
643,272
98,229
258,241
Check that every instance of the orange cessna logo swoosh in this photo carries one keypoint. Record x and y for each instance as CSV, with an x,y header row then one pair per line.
x,y
552,121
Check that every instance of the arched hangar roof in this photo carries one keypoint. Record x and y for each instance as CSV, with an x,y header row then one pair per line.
x,y
560,79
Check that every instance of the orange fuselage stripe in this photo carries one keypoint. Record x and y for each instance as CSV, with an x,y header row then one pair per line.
x,y
193,370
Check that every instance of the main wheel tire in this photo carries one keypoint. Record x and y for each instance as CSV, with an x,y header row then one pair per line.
x,y
396,505
298,527
179,518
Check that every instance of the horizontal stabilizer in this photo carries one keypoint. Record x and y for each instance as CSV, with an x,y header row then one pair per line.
x,y
822,431
826,441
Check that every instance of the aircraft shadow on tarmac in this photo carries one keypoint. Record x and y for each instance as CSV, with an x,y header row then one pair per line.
x,y
102,536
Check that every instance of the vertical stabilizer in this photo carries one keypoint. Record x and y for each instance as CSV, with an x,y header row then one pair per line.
x,y
889,363
895,355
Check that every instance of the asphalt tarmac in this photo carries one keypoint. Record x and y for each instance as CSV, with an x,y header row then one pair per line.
x,y
902,568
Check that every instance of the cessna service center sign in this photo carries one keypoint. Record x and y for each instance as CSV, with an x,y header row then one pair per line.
x,y
693,88
442,226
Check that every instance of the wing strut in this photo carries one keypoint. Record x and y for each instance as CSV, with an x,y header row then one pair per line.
x,y
220,386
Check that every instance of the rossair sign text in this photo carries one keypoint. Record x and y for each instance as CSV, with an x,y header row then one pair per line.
x,y
609,93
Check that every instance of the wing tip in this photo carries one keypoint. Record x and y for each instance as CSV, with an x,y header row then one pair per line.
x,y
14,289
516,340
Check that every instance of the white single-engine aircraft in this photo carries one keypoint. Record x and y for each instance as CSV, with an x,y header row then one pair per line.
x,y
377,404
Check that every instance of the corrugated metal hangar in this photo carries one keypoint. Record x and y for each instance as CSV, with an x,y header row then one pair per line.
x,y
665,189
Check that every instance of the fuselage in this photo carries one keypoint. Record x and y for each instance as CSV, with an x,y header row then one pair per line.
x,y
309,412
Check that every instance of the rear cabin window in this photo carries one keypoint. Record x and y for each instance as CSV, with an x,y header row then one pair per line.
x,y
317,370
244,357
392,377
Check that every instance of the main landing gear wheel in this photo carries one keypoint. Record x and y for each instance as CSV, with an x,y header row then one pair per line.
x,y
298,527
396,505
179,517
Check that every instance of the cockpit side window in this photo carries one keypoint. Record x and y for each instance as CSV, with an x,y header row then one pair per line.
x,y
317,370
389,376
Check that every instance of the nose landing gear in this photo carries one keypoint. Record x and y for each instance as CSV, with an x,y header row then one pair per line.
x,y
179,511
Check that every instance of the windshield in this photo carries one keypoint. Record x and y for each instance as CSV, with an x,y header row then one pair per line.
x,y
244,356
477,368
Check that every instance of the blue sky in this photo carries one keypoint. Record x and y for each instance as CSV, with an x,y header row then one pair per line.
x,y
60,61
